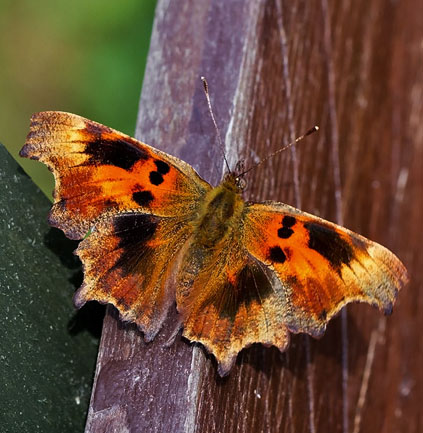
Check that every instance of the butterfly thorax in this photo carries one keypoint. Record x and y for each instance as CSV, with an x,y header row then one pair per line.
x,y
220,213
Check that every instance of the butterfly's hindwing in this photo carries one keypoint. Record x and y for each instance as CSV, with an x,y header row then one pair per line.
x,y
227,301
128,260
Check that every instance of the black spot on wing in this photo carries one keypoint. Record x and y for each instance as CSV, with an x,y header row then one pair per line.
x,y
118,152
162,167
276,255
285,232
134,231
250,286
143,198
156,178
288,221
328,243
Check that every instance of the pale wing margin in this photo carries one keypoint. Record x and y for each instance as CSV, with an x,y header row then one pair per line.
x,y
320,266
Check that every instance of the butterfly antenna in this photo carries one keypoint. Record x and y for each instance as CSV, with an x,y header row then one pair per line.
x,y
219,138
301,137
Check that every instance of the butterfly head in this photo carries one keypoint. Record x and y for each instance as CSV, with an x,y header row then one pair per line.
x,y
234,182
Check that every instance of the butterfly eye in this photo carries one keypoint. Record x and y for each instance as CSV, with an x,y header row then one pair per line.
x,y
241,183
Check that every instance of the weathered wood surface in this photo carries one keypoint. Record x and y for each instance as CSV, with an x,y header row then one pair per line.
x,y
276,68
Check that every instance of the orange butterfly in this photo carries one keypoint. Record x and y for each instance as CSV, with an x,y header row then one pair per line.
x,y
154,233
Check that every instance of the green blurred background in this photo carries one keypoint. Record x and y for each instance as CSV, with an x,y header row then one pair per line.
x,y
85,56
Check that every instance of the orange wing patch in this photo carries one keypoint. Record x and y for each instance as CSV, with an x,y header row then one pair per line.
x,y
98,169
321,266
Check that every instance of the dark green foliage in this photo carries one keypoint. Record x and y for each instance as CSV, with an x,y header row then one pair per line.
x,y
47,356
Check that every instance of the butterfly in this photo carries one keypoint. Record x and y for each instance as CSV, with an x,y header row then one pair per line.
x,y
154,233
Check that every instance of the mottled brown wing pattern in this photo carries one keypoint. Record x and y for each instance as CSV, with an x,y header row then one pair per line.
x,y
128,259
98,169
320,266
227,301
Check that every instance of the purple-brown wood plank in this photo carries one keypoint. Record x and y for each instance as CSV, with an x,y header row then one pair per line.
x,y
275,69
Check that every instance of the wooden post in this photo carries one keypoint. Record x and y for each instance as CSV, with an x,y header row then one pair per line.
x,y
275,69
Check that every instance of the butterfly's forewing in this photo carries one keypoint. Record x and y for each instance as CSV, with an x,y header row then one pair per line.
x,y
320,266
133,204
98,169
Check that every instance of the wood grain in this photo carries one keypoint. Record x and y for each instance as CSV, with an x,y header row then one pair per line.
x,y
275,69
